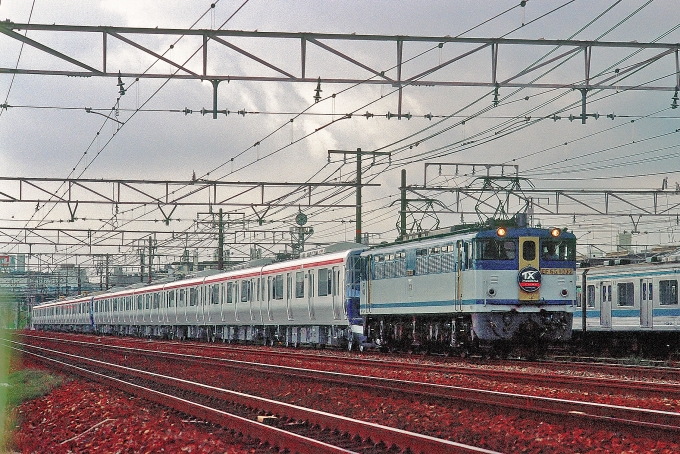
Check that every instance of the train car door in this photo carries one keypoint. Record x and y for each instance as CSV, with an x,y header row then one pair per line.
x,y
310,295
646,303
606,304
335,294
460,260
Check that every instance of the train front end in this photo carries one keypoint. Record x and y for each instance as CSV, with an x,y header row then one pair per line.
x,y
524,285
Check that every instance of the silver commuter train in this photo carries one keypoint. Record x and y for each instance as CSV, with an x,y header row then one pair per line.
x,y
448,292
303,301
630,308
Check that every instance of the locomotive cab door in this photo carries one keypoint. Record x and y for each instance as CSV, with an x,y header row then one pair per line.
x,y
646,303
606,304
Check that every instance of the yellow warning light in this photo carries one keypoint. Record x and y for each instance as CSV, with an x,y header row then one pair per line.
x,y
555,232
501,231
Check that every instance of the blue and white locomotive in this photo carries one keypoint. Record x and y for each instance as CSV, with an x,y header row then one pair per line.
x,y
449,292
457,292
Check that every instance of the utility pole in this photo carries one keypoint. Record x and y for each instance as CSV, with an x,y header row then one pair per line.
x,y
141,272
358,154
220,243
402,211
150,257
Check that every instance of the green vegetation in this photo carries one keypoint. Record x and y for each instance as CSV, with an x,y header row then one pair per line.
x,y
18,386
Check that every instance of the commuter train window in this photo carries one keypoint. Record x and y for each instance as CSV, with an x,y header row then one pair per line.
x,y
299,284
139,303
626,294
156,300
181,298
529,250
278,287
193,296
230,292
245,291
171,298
216,294
591,296
325,277
147,301
668,292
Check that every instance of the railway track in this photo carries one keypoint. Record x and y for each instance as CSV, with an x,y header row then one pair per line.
x,y
304,430
654,423
600,384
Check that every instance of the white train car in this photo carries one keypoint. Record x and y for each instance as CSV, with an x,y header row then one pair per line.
x,y
311,300
631,306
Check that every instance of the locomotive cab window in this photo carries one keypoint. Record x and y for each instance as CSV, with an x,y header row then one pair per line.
x,y
529,251
561,250
492,249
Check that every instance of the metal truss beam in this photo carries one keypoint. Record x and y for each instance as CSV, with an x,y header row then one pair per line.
x,y
168,193
327,43
559,202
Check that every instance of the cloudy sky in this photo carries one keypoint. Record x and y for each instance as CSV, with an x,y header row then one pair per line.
x,y
46,130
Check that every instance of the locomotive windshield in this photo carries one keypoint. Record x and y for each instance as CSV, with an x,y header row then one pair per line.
x,y
560,250
492,249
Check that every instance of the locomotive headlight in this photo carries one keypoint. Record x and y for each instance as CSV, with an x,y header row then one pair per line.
x,y
564,292
491,292
555,232
501,231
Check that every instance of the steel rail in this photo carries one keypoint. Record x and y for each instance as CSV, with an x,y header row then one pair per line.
x,y
416,443
598,384
653,421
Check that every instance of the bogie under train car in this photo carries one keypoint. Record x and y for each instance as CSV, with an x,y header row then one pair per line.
x,y
453,292
630,309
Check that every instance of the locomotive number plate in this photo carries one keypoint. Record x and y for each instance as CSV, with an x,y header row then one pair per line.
x,y
556,271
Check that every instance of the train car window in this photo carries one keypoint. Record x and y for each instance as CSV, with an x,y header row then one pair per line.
x,y
230,292
171,298
278,287
668,292
193,296
289,286
299,284
147,301
558,249
492,249
591,296
216,294
325,277
156,300
626,294
529,250
245,291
